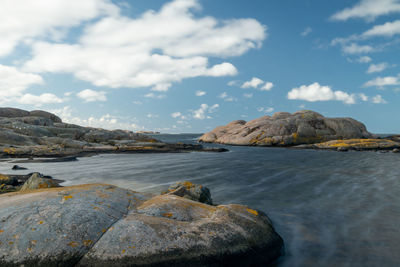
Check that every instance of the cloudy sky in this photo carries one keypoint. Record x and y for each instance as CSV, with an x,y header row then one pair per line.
x,y
191,65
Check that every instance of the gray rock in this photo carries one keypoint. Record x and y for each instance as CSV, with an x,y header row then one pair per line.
x,y
396,150
37,181
13,112
45,114
285,129
191,191
102,225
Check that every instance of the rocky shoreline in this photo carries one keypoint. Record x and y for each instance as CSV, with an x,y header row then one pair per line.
x,y
40,134
303,130
103,225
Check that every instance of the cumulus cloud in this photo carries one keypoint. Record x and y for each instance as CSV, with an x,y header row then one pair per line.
x,y
253,83
306,31
227,97
377,67
368,9
14,83
24,20
354,48
388,29
204,110
383,81
89,95
200,93
107,121
249,95
265,109
378,100
267,86
176,115
39,100
154,50
316,92
364,59
153,95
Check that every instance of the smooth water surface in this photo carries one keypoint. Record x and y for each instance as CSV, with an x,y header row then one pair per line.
x,y
331,208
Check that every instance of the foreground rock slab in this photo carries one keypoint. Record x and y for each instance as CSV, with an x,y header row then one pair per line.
x,y
286,129
103,225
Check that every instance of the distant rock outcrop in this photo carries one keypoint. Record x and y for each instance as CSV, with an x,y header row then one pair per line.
x,y
285,129
42,134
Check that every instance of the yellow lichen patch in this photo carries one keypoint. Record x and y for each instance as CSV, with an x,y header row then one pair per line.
x,y
73,244
9,150
11,242
33,229
40,222
188,185
87,242
96,208
167,214
131,247
123,251
103,230
65,198
29,249
254,212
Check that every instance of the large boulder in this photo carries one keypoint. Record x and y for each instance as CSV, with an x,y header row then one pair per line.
x,y
103,225
285,129
38,181
191,191
45,114
13,112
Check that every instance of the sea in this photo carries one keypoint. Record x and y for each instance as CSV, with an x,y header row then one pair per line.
x,y
331,208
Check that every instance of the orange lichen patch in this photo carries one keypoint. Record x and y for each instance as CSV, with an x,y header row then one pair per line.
x,y
254,212
33,229
40,222
96,208
73,244
11,242
65,198
188,185
9,150
359,143
167,214
103,230
1,231
33,242
87,242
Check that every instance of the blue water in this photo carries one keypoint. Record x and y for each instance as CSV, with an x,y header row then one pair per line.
x,y
331,208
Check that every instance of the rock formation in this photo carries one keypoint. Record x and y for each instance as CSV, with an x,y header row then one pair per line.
x,y
285,129
42,134
103,225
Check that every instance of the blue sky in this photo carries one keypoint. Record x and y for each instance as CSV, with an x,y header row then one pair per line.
x,y
189,66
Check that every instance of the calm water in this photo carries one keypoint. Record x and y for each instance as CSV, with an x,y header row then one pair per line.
x,y
332,209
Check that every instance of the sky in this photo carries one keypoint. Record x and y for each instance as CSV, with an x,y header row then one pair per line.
x,y
188,66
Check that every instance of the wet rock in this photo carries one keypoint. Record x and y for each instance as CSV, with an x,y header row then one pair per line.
x,y
357,144
396,150
8,180
38,181
16,167
103,225
342,149
191,191
285,129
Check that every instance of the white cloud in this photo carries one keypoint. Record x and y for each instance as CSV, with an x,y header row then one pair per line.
x,y
267,86
378,100
253,83
383,81
265,109
89,95
234,83
377,67
153,95
13,83
250,95
39,100
200,93
150,116
154,50
316,92
364,59
306,31
388,29
176,114
106,121
162,87
22,20
369,10
204,110
354,48
227,98
363,97
136,102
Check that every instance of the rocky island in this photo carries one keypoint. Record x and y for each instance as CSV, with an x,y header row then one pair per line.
x,y
42,134
104,225
302,129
